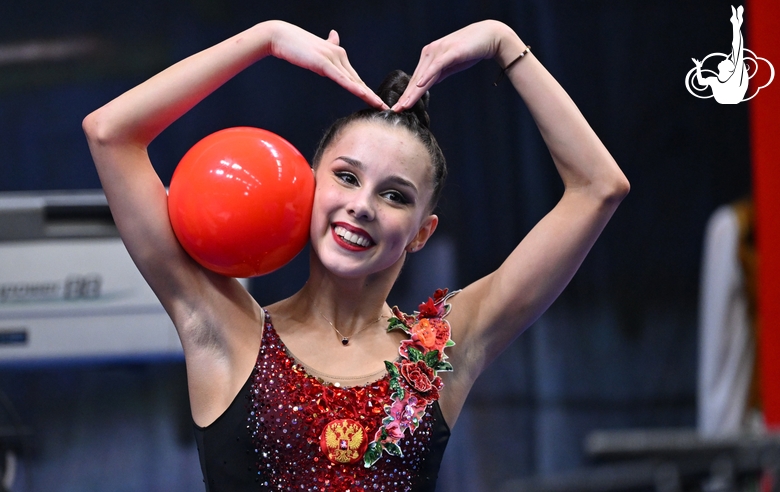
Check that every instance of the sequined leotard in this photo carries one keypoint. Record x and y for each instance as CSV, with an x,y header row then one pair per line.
x,y
272,438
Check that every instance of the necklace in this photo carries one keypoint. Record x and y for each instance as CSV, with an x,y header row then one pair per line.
x,y
345,340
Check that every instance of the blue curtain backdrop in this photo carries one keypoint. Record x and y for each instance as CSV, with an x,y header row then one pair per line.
x,y
618,349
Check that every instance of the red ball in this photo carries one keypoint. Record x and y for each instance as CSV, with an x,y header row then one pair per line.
x,y
240,202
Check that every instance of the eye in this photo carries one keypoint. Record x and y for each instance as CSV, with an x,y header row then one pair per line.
x,y
395,197
347,178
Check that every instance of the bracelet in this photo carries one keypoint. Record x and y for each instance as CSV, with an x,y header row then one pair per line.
x,y
503,72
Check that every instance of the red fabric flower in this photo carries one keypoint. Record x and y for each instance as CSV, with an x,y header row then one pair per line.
x,y
421,379
418,375
429,309
405,414
431,333
439,295
394,431
434,307
403,317
403,349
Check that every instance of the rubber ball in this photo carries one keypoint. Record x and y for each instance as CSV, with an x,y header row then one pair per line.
x,y
240,201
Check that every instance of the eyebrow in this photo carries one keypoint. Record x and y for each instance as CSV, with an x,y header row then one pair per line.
x,y
393,178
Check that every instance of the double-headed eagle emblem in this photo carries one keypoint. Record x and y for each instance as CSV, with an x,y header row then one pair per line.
x,y
343,441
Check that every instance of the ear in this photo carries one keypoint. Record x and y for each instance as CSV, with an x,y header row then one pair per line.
x,y
426,231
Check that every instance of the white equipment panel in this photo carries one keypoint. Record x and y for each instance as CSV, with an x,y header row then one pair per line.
x,y
78,297
68,288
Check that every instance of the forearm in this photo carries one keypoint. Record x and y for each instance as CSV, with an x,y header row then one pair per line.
x,y
139,115
581,159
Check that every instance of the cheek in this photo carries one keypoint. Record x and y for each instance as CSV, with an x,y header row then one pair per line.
x,y
319,212
325,199
400,227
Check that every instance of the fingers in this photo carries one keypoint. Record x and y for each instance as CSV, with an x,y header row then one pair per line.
x,y
342,73
347,77
365,92
333,37
409,98
429,72
424,76
349,81
360,89
324,57
442,58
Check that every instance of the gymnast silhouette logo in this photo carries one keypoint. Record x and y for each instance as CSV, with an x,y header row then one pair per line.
x,y
730,84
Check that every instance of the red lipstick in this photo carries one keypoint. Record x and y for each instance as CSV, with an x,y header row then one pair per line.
x,y
350,237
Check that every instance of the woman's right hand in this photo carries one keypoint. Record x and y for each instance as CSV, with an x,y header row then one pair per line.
x,y
322,56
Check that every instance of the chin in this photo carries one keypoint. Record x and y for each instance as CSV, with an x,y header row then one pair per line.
x,y
346,267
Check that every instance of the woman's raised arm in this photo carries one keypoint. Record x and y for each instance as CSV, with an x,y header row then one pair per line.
x,y
215,317
490,313
119,132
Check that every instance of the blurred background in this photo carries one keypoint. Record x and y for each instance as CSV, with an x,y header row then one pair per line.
x,y
618,350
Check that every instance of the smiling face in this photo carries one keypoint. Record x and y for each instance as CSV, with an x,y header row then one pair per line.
x,y
371,200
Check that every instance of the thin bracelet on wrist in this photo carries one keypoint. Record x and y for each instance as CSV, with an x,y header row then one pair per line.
x,y
503,72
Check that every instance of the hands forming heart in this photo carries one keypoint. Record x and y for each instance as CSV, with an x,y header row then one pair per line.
x,y
440,59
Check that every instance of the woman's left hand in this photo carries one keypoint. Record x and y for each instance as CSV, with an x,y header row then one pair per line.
x,y
458,51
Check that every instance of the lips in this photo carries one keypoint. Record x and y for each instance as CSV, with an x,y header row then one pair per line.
x,y
351,238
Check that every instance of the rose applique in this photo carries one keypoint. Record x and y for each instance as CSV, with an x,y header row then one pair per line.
x,y
413,379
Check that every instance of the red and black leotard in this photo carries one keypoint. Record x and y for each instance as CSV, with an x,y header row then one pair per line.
x,y
272,435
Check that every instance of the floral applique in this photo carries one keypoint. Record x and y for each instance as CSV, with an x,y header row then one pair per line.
x,y
413,380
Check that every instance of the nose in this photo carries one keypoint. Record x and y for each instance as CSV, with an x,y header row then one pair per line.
x,y
361,207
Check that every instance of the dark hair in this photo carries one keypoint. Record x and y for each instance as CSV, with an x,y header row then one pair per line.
x,y
414,119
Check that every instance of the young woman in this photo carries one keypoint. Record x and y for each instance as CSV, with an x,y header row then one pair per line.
x,y
314,392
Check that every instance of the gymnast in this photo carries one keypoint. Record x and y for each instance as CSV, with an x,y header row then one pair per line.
x,y
331,388
730,85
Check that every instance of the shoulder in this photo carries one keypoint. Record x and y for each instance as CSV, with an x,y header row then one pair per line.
x,y
216,308
221,343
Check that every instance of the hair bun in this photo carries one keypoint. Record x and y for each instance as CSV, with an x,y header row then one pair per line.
x,y
392,88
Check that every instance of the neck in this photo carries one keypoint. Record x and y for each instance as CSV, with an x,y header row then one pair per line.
x,y
348,303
